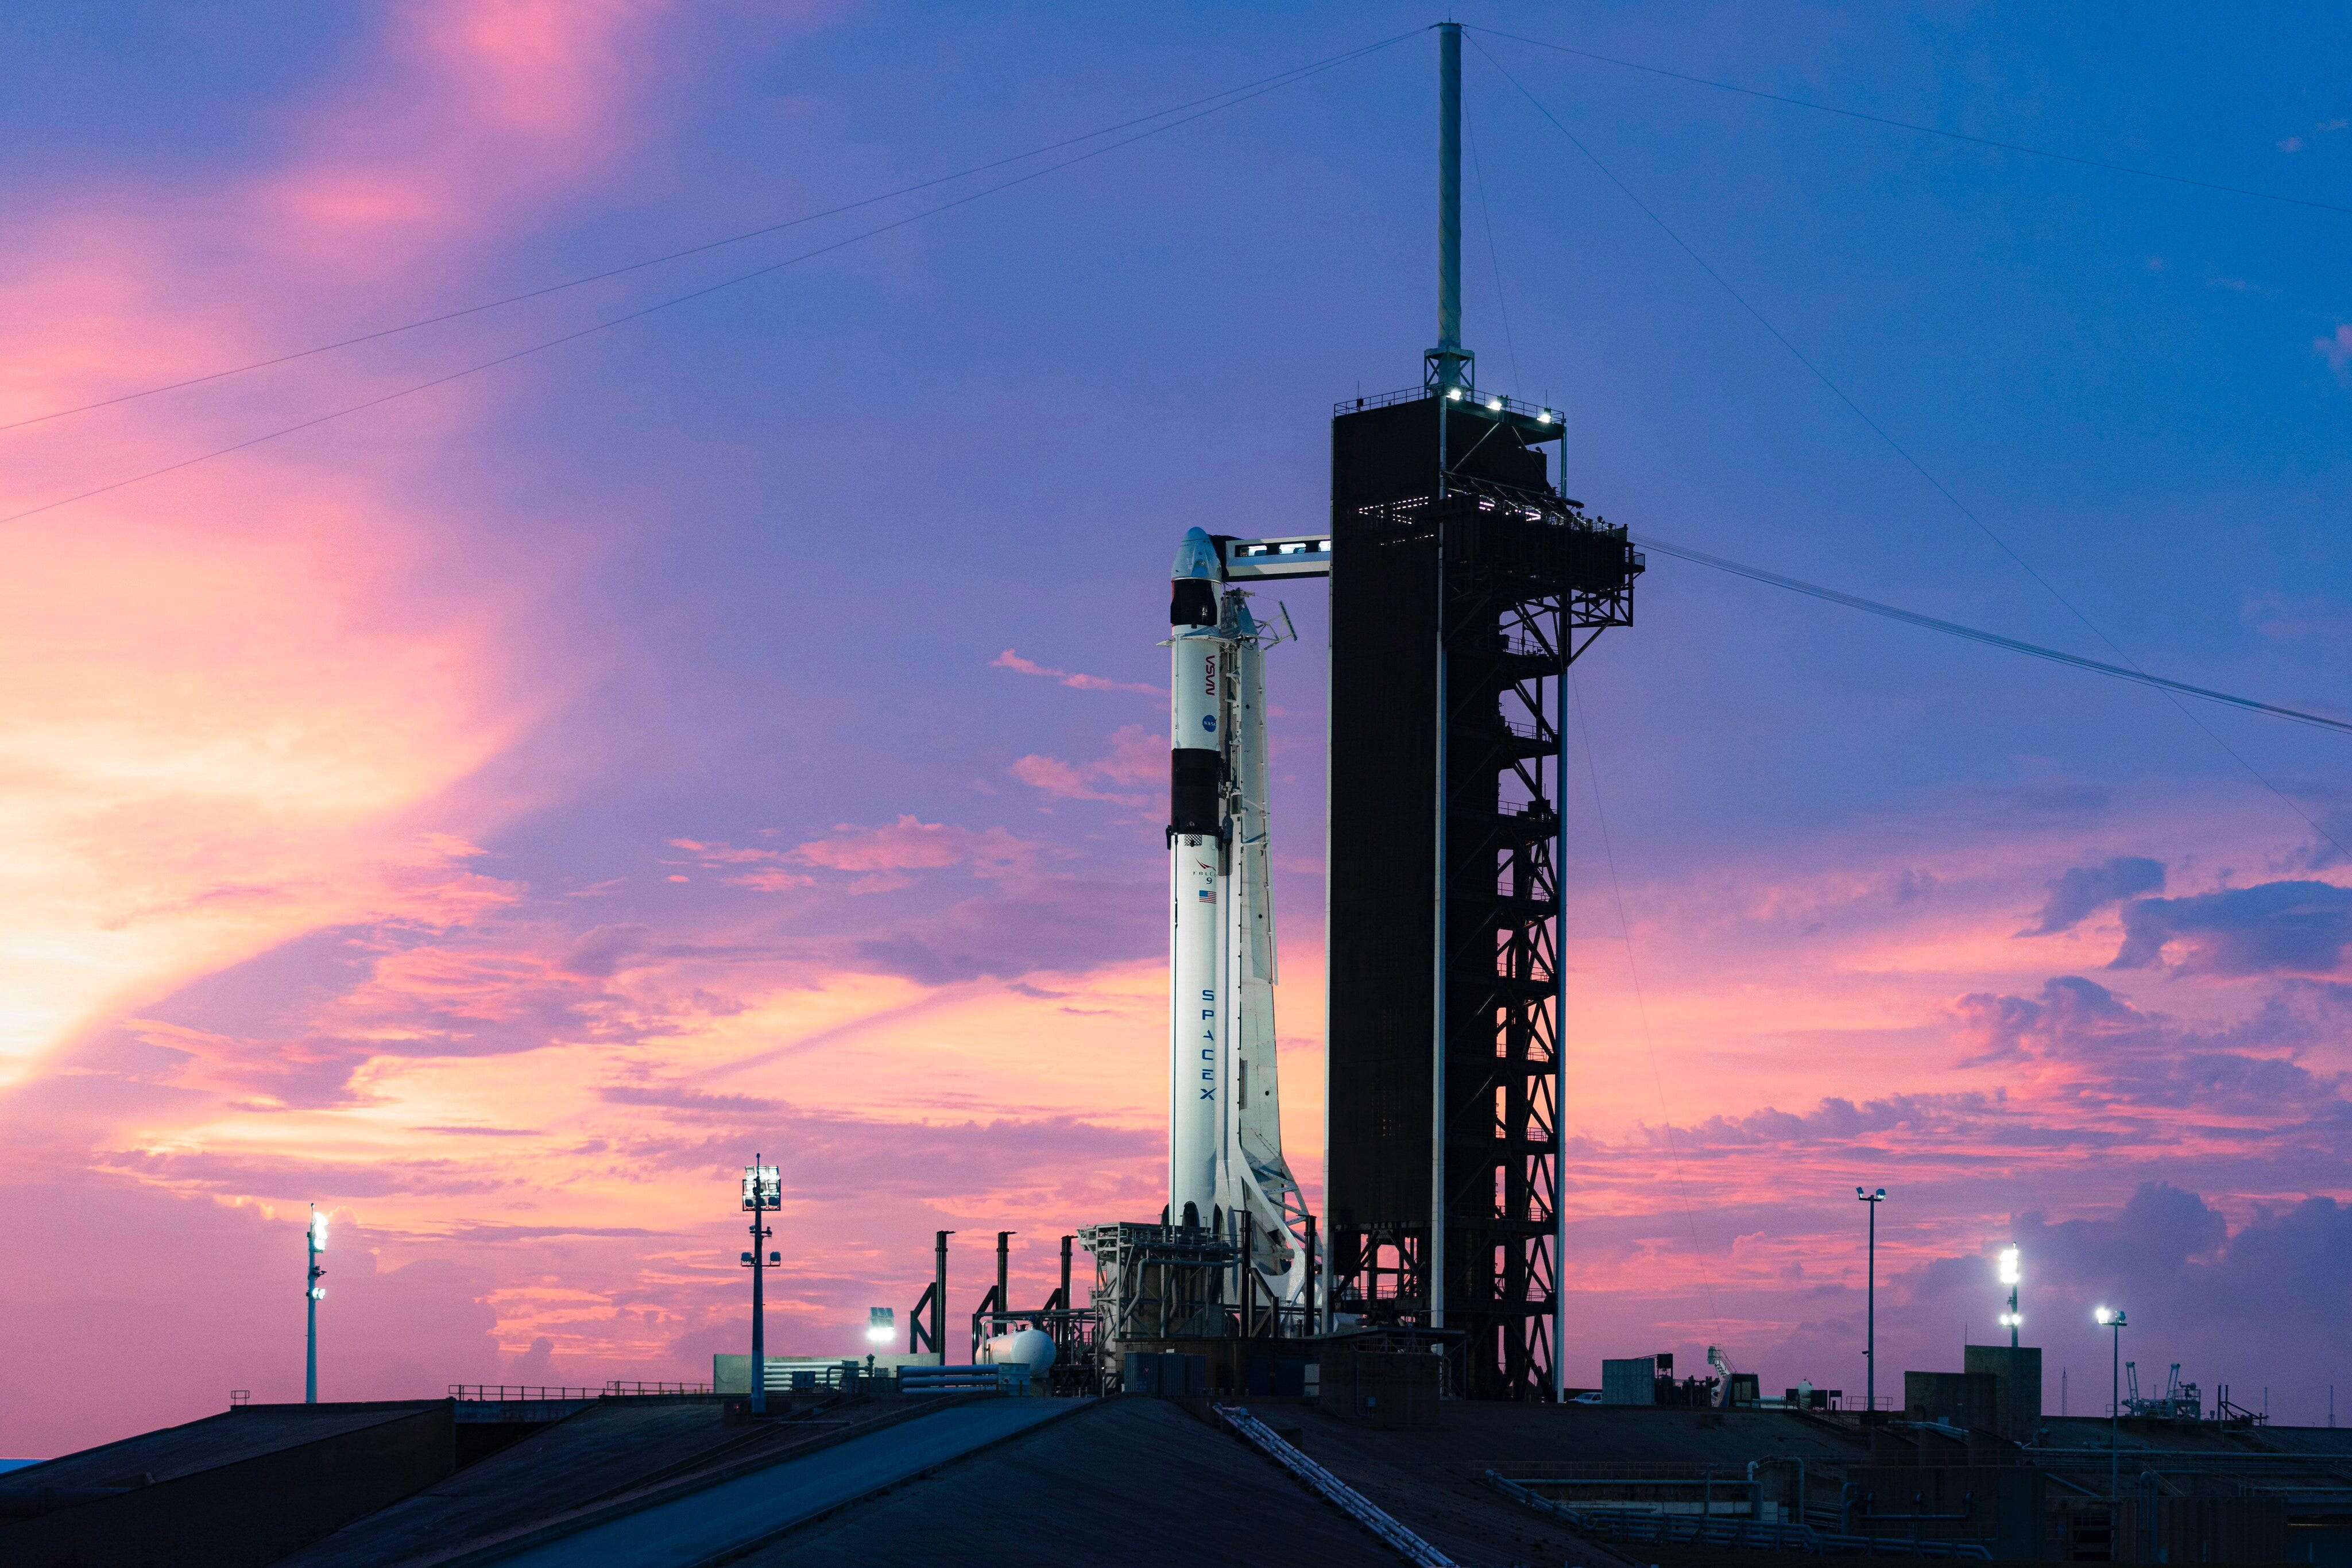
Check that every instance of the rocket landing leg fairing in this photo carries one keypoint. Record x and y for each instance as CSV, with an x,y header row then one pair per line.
x,y
1226,1169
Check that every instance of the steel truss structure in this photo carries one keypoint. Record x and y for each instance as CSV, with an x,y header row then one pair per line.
x,y
1471,599
1155,1282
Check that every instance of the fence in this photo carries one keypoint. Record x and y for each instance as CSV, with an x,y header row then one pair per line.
x,y
629,1390
1691,1530
537,1392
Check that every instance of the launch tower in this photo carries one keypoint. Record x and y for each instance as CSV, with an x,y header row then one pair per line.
x,y
1463,585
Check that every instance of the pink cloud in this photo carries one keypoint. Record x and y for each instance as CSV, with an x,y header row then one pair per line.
x,y
2337,351
1137,757
771,880
254,677
911,844
1009,660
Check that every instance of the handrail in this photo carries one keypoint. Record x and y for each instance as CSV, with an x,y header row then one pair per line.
x,y
621,1389
1334,1491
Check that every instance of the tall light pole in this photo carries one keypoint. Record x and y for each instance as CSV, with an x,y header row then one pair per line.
x,y
1870,1345
2009,1276
2114,1320
313,1293
763,1189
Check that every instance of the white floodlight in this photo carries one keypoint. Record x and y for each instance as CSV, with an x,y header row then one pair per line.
x,y
2103,1317
1544,418
319,1232
764,1187
1495,404
318,1292
2008,1275
2012,1320
881,1323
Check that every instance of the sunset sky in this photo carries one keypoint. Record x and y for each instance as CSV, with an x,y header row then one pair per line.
x,y
495,812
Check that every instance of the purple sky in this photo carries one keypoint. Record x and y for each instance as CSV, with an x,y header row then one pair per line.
x,y
493,814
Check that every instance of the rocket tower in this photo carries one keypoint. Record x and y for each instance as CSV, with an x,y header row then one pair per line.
x,y
1464,581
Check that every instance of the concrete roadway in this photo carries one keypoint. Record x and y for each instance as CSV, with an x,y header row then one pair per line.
x,y
735,1513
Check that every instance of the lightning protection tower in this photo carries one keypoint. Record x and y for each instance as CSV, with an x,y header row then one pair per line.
x,y
1464,583
313,1293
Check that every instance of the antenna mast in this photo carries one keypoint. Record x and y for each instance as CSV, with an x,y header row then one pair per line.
x,y
1449,364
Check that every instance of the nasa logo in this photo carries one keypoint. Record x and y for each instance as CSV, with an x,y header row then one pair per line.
x,y
1209,722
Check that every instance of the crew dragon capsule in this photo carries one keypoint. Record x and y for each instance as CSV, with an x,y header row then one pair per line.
x,y
1225,1168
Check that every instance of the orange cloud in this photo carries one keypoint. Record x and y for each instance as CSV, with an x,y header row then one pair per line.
x,y
231,708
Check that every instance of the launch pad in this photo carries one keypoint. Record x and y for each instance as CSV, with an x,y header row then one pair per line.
x,y
1465,582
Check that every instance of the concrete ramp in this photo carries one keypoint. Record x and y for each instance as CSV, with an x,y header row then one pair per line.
x,y
1130,1483
734,1515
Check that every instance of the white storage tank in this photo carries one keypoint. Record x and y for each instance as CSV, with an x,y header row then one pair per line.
x,y
1032,1348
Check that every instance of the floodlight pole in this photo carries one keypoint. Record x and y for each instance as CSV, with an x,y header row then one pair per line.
x,y
311,1289
1870,1342
759,1234
2115,1424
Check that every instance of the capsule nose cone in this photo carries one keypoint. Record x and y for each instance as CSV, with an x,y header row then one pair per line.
x,y
1192,595
1196,557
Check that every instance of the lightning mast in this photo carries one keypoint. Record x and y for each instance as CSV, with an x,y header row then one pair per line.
x,y
313,1293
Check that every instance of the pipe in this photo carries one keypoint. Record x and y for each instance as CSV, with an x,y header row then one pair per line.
x,y
1249,1274
939,1297
1312,1259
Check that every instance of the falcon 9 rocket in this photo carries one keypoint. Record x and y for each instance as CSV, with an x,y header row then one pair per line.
x,y
1226,1169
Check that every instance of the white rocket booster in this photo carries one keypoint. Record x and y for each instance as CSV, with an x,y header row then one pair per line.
x,y
1224,1125
1201,664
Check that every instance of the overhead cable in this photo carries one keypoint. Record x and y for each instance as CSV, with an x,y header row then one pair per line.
x,y
1904,452
1923,129
1252,90
1269,85
1991,639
